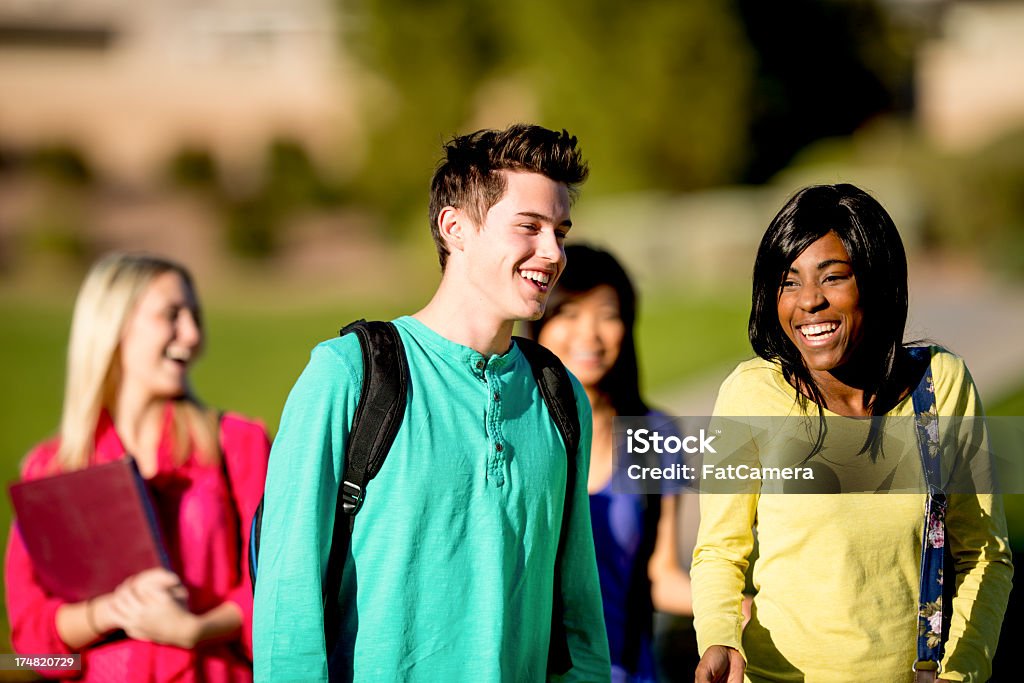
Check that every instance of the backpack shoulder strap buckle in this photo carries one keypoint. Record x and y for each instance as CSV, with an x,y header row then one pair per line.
x,y
352,496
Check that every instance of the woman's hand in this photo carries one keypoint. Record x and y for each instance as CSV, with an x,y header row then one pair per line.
x,y
151,605
720,664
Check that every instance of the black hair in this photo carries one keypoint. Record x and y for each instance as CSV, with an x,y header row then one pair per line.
x,y
467,177
587,268
879,264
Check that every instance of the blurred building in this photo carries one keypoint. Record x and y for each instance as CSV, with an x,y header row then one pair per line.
x,y
970,80
130,83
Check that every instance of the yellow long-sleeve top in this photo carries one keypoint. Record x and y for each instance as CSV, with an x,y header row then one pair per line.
x,y
837,576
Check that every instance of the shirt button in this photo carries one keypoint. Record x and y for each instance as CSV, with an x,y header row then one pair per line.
x,y
480,365
497,396
498,447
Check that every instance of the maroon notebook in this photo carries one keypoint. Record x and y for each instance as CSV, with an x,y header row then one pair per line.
x,y
88,530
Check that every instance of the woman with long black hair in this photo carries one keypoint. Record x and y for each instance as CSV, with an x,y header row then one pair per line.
x,y
839,577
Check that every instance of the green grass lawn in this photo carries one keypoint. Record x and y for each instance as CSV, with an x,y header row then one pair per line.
x,y
681,338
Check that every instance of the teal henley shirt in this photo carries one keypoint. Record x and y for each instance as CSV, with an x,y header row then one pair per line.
x,y
450,572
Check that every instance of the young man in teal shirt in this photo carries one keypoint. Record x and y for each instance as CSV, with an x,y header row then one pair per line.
x,y
450,572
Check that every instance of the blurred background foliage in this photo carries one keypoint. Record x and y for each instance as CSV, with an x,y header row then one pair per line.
x,y
672,97
666,96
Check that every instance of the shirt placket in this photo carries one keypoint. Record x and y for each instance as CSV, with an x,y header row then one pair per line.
x,y
497,448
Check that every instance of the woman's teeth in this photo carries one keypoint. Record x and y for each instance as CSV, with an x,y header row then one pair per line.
x,y
819,330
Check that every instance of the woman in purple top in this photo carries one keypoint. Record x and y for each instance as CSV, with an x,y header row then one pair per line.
x,y
589,324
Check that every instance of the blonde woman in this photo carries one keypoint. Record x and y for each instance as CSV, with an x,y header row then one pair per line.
x,y
135,333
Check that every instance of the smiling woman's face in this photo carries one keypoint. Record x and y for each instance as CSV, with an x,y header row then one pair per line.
x,y
586,334
819,305
161,339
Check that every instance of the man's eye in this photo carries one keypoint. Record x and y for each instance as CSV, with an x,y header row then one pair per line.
x,y
790,284
561,234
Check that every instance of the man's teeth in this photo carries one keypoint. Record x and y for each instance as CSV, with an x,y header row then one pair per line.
x,y
819,329
537,276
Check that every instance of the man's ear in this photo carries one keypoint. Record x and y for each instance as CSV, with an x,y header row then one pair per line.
x,y
452,224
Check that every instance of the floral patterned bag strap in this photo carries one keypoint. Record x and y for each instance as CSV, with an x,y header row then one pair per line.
x,y
933,541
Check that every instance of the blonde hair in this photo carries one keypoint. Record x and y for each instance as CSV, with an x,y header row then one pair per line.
x,y
108,296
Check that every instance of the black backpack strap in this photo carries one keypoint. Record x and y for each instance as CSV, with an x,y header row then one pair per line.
x,y
374,427
379,412
556,389
375,424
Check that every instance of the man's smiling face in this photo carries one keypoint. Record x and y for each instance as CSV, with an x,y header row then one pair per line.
x,y
516,255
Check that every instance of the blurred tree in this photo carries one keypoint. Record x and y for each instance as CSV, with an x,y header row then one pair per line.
x,y
432,55
257,212
253,225
56,223
193,167
10,158
825,67
673,96
294,181
63,165
657,92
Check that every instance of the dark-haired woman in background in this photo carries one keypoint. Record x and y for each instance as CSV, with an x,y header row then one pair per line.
x,y
838,575
589,324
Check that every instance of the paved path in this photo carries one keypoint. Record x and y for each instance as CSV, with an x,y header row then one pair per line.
x,y
976,317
